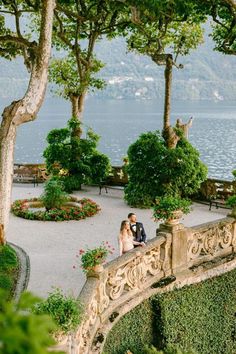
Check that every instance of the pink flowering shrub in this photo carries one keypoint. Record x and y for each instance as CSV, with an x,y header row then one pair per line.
x,y
95,256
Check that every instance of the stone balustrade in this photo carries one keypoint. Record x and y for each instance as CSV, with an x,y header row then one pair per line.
x,y
211,240
214,188
211,188
118,177
168,260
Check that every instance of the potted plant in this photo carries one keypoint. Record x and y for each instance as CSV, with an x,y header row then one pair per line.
x,y
170,209
231,202
92,260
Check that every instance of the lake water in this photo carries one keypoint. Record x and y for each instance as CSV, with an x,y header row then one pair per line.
x,y
120,122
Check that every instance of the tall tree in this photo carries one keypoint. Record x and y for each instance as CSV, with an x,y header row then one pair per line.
x,y
79,25
36,56
64,73
165,30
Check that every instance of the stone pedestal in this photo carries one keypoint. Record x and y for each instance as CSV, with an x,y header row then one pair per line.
x,y
179,246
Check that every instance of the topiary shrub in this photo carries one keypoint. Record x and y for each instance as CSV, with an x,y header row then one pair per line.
x,y
154,170
54,195
75,160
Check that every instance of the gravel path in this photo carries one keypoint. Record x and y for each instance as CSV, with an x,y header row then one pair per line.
x,y
52,246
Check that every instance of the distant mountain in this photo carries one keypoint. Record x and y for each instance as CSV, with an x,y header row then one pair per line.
x,y
207,75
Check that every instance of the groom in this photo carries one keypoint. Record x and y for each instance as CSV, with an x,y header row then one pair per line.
x,y
137,228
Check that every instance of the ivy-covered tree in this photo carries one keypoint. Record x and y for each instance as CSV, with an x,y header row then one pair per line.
x,y
78,26
165,30
74,160
155,170
15,40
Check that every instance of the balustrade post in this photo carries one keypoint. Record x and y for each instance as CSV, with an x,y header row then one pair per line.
x,y
179,249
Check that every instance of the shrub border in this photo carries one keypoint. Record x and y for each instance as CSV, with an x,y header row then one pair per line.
x,y
88,208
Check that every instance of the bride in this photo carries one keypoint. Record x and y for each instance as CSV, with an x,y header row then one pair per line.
x,y
126,241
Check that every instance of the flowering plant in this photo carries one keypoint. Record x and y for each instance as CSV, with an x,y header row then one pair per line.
x,y
95,256
23,208
165,207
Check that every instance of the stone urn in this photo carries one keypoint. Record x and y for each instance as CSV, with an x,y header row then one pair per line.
x,y
94,271
175,219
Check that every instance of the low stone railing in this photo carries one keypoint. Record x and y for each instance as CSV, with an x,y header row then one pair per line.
x,y
125,282
214,188
211,188
118,177
211,240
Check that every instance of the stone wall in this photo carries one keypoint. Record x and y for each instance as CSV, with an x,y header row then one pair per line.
x,y
211,188
24,173
175,257
216,188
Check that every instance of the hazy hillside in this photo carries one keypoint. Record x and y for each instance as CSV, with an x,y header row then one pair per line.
x,y
206,75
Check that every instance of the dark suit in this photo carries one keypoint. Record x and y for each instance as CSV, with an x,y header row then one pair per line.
x,y
139,234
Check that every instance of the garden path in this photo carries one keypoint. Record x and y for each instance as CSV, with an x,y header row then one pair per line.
x,y
52,246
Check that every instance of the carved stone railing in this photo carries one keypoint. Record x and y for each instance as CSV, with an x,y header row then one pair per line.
x,y
119,283
177,253
211,240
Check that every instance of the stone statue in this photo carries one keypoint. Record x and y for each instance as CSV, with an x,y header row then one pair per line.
x,y
184,126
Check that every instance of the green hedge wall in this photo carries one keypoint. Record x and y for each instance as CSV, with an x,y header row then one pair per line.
x,y
133,331
8,269
200,317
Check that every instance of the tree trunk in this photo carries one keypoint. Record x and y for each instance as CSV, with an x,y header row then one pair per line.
x,y
168,86
168,132
23,111
77,108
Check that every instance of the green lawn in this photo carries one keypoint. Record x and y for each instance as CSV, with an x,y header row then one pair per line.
x,y
9,267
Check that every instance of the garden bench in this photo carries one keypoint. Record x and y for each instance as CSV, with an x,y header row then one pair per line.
x,y
26,175
117,180
106,187
220,200
218,203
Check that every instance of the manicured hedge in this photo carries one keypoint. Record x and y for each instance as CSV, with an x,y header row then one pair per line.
x,y
201,317
8,269
132,332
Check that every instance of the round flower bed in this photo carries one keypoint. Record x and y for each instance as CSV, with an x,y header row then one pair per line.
x,y
75,209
